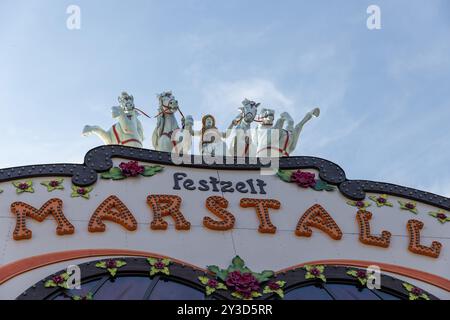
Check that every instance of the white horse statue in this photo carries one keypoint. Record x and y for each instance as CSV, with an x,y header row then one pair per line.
x,y
241,142
167,135
287,137
127,131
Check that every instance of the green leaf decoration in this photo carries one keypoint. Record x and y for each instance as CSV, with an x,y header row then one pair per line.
x,y
362,205
310,275
280,293
352,273
120,263
221,286
238,262
322,185
413,296
165,271
210,290
50,284
381,200
114,173
154,270
76,194
20,190
88,296
203,280
219,273
112,271
101,264
236,295
264,276
285,175
410,206
151,170
440,216
50,188
408,286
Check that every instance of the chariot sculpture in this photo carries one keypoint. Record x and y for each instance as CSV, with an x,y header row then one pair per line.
x,y
267,139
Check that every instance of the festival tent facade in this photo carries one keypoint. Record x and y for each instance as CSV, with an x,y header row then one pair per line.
x,y
129,223
306,231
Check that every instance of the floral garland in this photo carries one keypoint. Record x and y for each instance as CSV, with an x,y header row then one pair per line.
x,y
410,206
57,281
381,200
359,274
111,266
22,187
130,169
243,283
415,293
304,180
315,272
87,296
159,266
361,205
81,192
55,184
440,216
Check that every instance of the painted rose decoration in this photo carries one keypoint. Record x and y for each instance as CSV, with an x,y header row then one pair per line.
x,y
244,283
129,170
304,180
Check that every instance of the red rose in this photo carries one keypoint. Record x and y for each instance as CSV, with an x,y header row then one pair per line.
x,y
243,283
304,179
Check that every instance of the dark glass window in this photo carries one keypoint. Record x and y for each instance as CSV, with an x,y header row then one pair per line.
x,y
85,289
386,296
350,292
124,288
308,293
170,290
337,291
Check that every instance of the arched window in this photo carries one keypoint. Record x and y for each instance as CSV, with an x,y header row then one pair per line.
x,y
180,282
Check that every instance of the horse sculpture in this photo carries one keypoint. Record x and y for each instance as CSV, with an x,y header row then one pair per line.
x,y
241,141
127,131
287,137
167,135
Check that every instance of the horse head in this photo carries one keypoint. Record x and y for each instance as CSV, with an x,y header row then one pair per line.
x,y
167,103
126,114
249,110
266,116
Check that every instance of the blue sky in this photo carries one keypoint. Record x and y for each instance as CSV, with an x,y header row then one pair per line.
x,y
384,94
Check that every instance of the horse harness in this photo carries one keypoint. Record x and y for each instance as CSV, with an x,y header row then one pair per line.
x,y
116,134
